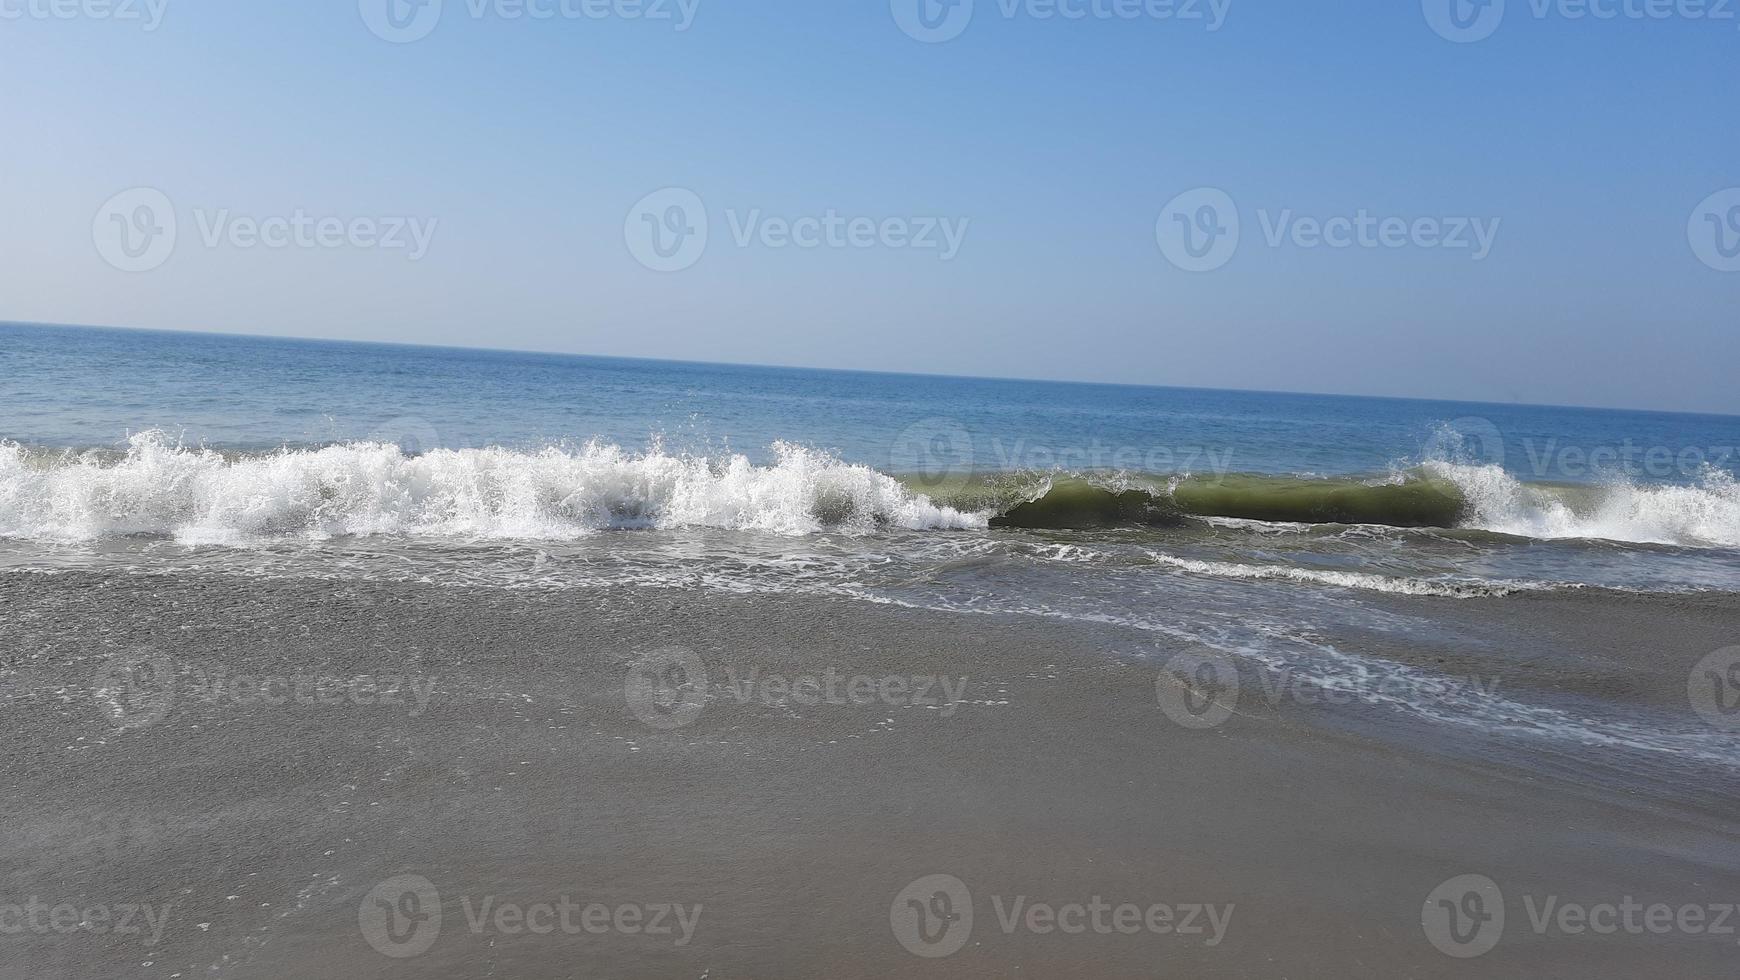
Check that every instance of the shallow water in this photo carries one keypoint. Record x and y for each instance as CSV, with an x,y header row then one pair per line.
x,y
1361,544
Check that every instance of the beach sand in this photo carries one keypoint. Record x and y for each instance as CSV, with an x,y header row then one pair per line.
x,y
257,831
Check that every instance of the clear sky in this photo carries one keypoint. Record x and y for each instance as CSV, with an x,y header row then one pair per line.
x,y
1054,149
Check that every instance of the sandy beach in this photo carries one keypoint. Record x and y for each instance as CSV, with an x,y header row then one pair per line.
x,y
490,754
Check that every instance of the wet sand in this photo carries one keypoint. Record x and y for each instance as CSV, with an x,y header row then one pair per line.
x,y
790,830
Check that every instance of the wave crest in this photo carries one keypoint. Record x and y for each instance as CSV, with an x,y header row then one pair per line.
x,y
202,497
1705,514
198,496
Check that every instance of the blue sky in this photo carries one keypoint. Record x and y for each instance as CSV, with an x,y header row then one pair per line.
x,y
1592,151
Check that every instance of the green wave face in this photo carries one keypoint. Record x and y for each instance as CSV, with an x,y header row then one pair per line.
x,y
1075,505
1416,502
1080,502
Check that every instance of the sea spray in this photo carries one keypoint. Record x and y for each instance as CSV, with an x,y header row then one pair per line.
x,y
158,487
202,497
1706,513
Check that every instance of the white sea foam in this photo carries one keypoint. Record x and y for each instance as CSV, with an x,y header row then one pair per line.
x,y
1703,514
161,488
198,496
1396,585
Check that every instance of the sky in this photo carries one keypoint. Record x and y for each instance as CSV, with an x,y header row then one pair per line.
x,y
1418,198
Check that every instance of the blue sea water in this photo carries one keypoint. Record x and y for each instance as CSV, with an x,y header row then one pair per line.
x,y
250,459
92,388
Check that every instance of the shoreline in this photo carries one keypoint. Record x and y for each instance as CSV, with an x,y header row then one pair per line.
x,y
528,776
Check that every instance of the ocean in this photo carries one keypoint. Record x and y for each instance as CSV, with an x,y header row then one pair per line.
x,y
203,440
1257,517
1254,523
1180,630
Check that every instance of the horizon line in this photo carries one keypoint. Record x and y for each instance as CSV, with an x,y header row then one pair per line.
x,y
864,371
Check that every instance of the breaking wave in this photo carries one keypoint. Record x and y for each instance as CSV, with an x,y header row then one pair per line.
x,y
1444,495
157,487
1704,514
202,497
